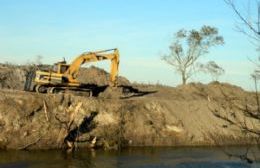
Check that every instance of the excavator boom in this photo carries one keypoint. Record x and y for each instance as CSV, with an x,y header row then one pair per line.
x,y
87,57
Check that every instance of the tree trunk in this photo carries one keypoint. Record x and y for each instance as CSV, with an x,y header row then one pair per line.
x,y
184,78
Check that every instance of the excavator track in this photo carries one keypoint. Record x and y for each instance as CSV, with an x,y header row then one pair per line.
x,y
64,90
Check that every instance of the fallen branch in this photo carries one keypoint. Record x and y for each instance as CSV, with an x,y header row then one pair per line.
x,y
30,144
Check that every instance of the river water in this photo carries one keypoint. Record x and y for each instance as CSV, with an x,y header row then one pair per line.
x,y
145,157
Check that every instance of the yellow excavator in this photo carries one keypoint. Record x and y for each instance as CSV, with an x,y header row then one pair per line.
x,y
63,77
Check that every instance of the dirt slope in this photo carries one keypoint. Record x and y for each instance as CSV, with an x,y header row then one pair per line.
x,y
133,115
146,115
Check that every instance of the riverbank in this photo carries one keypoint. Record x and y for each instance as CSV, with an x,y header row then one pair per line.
x,y
146,116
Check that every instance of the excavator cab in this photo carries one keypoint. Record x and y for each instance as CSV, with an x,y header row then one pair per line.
x,y
60,67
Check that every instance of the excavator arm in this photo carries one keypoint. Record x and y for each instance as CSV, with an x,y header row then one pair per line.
x,y
111,54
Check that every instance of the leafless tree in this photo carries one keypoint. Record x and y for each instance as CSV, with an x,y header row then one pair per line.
x,y
249,120
245,116
249,19
188,46
250,26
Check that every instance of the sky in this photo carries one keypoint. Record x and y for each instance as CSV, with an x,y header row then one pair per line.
x,y
142,30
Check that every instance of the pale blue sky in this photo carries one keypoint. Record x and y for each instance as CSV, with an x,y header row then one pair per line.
x,y
141,29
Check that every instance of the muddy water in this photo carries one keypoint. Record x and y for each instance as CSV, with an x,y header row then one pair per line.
x,y
128,158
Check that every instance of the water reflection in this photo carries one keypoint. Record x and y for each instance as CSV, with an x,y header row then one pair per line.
x,y
128,158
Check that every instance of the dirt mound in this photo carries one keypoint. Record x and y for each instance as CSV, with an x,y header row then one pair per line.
x,y
151,116
197,91
98,76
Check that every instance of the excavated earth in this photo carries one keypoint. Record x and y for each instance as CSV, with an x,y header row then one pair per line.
x,y
131,115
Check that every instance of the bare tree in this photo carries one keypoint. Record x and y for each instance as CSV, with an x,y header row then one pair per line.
x,y
213,69
249,120
189,46
250,26
249,20
245,116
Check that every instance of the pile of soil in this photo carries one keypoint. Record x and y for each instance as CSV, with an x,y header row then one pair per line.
x,y
98,76
146,115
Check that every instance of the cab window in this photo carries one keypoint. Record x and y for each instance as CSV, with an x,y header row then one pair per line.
x,y
55,68
63,68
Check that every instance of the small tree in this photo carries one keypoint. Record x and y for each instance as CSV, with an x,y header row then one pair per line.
x,y
213,69
188,47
